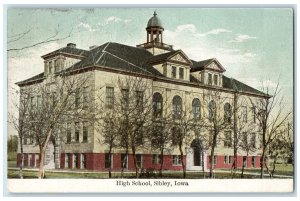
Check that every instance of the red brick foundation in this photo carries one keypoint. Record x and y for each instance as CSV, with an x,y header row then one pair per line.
x,y
220,162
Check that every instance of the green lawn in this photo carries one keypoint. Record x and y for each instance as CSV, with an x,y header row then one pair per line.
x,y
12,156
167,175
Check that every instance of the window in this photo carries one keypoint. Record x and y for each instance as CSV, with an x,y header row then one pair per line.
x,y
124,161
244,113
32,102
245,139
214,160
85,96
109,97
139,136
157,105
216,79
68,133
38,101
174,72
77,97
230,159
139,100
253,161
176,135
108,160
85,132
254,114
125,98
211,110
82,161
181,73
50,67
76,131
29,160
253,140
227,113
228,139
226,159
75,161
209,79
196,108
139,160
67,160
56,65
156,159
176,160
37,158
177,107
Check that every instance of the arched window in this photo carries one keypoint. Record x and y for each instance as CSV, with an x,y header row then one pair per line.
x,y
157,104
211,110
227,113
196,108
177,107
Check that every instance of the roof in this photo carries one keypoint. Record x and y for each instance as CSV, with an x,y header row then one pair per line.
x,y
69,50
200,65
230,83
154,21
121,57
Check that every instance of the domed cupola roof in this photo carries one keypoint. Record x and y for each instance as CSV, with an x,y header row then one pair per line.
x,y
154,21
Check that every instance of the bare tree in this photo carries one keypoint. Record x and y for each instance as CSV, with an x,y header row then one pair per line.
x,y
52,103
216,122
272,116
19,122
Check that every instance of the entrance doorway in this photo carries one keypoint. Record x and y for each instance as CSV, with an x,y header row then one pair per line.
x,y
197,152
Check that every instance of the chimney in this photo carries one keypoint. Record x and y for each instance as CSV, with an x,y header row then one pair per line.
x,y
72,45
93,47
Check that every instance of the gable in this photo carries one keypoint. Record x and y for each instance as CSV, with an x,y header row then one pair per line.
x,y
215,66
181,58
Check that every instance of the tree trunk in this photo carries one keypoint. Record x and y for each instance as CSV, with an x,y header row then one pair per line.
x,y
41,173
202,154
109,159
135,162
22,159
212,152
161,162
262,163
182,162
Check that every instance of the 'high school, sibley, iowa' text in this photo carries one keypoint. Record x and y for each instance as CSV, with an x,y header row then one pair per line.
x,y
151,183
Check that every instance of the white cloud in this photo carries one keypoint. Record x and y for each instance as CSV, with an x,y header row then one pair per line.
x,y
114,19
215,32
241,38
87,26
186,28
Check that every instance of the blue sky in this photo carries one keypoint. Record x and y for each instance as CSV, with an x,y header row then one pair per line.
x,y
255,45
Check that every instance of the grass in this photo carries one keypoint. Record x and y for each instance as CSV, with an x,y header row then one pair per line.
x,y
12,156
31,174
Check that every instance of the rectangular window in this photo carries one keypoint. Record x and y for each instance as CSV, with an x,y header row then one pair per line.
x,y
50,67
230,159
56,64
109,97
209,79
67,160
124,161
253,140
181,73
139,100
245,139
215,160
174,72
68,133
176,136
176,160
139,137
85,132
226,159
75,161
156,159
77,97
228,139
37,158
125,98
254,114
216,79
85,96
32,105
108,162
38,101
139,160
253,161
244,113
76,131
82,161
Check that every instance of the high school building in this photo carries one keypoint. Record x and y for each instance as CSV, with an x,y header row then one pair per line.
x,y
174,77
